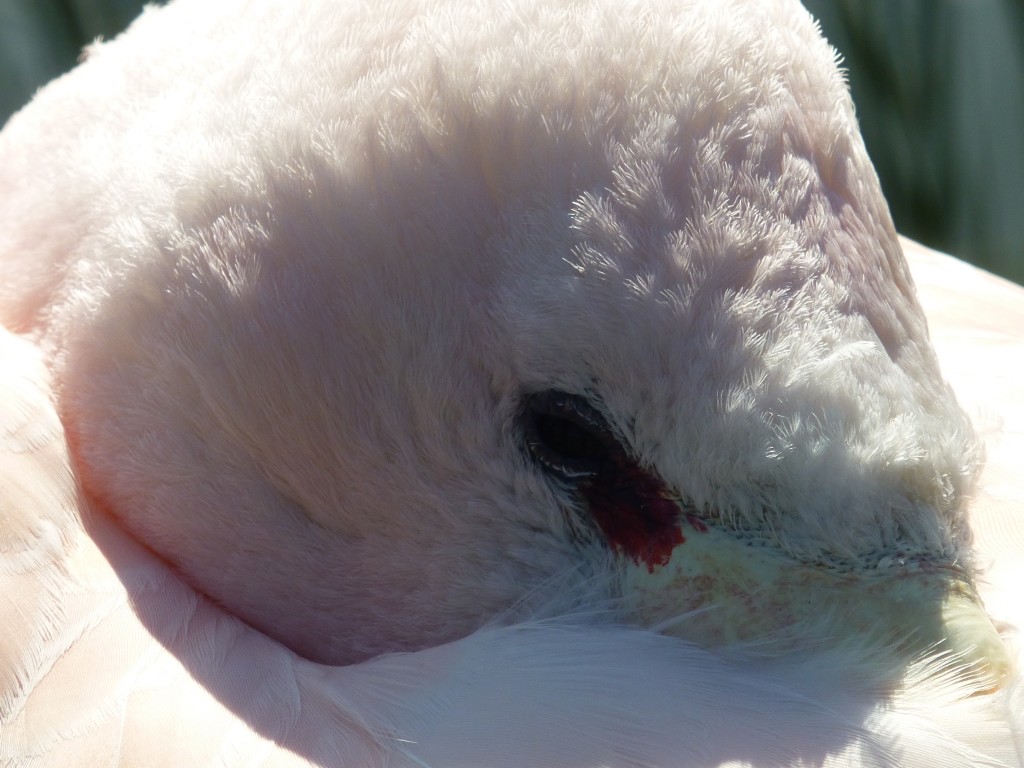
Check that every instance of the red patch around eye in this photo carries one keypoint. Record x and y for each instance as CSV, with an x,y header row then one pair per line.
x,y
630,508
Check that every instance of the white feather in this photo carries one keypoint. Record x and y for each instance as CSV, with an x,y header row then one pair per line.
x,y
286,272
110,660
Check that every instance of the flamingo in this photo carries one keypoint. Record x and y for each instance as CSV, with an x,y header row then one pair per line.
x,y
441,383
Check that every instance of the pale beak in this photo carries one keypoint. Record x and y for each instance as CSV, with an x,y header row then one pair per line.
x,y
719,591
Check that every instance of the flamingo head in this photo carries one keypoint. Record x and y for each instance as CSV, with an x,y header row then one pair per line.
x,y
386,325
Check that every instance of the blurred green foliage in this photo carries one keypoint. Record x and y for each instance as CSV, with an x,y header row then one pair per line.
x,y
939,88
40,39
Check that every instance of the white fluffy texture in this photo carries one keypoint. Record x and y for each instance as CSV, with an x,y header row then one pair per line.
x,y
107,659
291,269
296,264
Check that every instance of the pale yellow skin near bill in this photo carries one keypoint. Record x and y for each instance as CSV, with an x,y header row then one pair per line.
x,y
107,659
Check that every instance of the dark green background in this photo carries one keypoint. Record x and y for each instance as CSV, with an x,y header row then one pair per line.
x,y
939,88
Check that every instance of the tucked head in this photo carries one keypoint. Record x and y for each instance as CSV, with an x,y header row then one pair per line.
x,y
380,323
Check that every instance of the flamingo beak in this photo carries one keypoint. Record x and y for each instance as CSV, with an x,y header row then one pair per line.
x,y
719,591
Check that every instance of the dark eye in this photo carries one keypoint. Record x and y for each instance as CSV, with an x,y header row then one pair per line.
x,y
566,434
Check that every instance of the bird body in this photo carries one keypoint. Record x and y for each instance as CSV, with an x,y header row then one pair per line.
x,y
111,659
441,383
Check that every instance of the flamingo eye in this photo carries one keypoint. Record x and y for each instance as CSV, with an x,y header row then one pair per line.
x,y
566,435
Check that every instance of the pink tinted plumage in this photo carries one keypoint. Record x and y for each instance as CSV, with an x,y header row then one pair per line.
x,y
434,383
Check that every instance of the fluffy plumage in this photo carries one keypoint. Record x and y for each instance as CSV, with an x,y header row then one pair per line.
x,y
110,659
295,280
